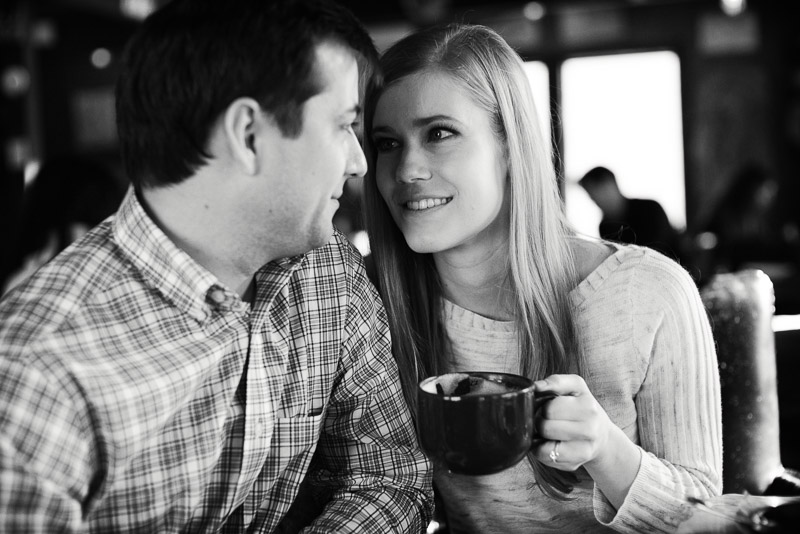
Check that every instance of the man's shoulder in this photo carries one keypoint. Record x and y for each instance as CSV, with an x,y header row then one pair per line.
x,y
51,298
339,267
338,256
646,207
644,202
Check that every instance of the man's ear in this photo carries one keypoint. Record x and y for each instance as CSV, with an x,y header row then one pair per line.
x,y
241,123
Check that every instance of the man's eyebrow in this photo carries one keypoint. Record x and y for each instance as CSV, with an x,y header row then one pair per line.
x,y
355,108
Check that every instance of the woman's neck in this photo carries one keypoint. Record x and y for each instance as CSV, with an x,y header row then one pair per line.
x,y
477,280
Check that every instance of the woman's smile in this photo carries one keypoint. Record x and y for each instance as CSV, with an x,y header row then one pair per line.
x,y
426,203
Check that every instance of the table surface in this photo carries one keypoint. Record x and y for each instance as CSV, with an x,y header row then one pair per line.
x,y
729,513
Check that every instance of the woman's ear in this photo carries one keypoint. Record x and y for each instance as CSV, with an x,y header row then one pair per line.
x,y
241,125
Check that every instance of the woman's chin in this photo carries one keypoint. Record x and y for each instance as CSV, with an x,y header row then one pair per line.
x,y
425,246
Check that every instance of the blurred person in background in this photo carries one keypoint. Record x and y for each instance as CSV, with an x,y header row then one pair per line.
x,y
190,364
637,221
753,227
748,225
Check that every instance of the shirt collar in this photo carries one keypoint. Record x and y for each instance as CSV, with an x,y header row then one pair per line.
x,y
183,281
166,267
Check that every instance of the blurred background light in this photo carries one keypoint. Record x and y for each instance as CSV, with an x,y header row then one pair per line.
x,y
733,7
101,58
18,152
137,9
31,170
43,33
533,11
16,81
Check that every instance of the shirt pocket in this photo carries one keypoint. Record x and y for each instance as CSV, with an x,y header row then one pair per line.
x,y
294,441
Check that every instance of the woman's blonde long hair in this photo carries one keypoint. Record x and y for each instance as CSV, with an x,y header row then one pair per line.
x,y
541,268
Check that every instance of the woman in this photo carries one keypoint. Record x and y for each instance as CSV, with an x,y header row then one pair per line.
x,y
479,271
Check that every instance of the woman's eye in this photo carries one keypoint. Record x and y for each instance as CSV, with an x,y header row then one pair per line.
x,y
439,134
385,144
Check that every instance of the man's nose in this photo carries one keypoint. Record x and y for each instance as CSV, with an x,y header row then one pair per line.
x,y
357,161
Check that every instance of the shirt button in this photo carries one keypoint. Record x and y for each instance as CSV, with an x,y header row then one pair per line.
x,y
217,296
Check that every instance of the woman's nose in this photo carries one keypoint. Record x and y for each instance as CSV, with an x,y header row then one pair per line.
x,y
412,167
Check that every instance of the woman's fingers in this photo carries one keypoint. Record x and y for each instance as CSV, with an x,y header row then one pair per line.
x,y
568,407
572,385
560,429
563,455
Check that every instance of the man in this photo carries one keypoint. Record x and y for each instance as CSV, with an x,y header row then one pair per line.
x,y
629,220
190,362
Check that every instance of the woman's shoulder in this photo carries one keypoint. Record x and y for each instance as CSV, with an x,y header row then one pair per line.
x,y
590,254
615,267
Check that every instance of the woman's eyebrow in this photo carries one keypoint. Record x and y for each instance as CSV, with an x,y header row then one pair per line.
x,y
417,123
381,129
424,121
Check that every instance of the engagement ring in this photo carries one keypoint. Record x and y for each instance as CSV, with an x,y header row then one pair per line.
x,y
554,452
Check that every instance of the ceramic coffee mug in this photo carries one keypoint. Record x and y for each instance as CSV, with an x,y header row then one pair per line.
x,y
476,423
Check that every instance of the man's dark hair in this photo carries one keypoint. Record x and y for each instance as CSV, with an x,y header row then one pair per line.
x,y
192,58
598,176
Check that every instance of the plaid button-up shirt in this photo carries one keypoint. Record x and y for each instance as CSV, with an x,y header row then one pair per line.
x,y
137,394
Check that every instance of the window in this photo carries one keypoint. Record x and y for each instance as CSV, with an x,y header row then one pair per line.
x,y
539,78
623,111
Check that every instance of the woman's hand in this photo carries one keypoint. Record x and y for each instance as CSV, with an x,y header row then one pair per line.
x,y
569,414
574,431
